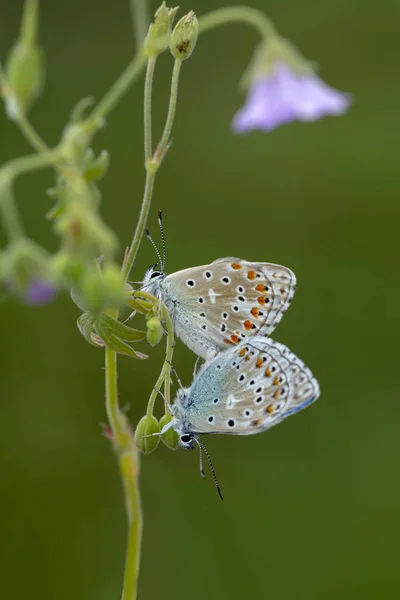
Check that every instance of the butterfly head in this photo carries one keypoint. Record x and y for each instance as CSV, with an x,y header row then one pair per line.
x,y
152,279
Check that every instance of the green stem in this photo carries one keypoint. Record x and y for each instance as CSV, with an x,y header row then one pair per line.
x,y
140,20
148,86
30,22
32,136
165,138
140,227
116,92
129,468
242,14
165,375
8,173
11,219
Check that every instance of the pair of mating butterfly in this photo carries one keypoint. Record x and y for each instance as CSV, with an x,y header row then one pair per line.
x,y
223,311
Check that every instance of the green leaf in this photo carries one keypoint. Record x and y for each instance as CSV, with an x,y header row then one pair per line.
x,y
120,330
86,326
113,342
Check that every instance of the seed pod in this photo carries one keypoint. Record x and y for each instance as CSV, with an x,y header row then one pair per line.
x,y
154,331
170,438
146,427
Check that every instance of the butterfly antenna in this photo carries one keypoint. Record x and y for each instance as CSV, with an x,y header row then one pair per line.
x,y
155,248
202,449
164,251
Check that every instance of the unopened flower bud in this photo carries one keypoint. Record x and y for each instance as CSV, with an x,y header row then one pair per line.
x,y
25,64
154,331
170,438
145,441
184,36
157,39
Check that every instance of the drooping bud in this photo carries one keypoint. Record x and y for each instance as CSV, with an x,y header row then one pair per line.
x,y
159,34
154,331
25,64
184,36
170,438
145,441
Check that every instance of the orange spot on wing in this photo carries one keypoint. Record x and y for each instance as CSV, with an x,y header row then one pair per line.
x,y
256,422
276,381
255,312
234,338
236,266
268,372
269,409
277,393
227,341
242,352
260,287
261,300
248,325
251,275
259,363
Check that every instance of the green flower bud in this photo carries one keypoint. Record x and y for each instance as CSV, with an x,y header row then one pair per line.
x,y
184,36
146,427
95,168
170,438
75,140
154,331
158,36
25,65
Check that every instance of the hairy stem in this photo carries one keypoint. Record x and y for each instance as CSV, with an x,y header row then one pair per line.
x,y
148,87
165,375
124,445
165,138
152,166
243,14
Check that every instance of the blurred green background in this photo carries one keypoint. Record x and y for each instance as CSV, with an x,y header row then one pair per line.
x,y
312,507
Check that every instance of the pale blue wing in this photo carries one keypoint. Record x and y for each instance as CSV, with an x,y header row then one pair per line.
x,y
248,389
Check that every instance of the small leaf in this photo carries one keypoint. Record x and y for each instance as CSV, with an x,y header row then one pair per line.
x,y
113,342
86,325
120,330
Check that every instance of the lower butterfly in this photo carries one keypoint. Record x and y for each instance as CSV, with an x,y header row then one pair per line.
x,y
244,390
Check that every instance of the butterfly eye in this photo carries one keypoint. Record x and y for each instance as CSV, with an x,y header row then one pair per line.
x,y
187,440
155,274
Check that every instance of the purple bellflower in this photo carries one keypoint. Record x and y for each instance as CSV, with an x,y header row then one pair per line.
x,y
283,87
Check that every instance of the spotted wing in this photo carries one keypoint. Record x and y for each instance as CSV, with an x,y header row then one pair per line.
x,y
249,388
225,302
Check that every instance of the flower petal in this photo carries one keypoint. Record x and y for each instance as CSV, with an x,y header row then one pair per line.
x,y
285,96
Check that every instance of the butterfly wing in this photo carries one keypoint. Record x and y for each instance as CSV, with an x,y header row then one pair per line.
x,y
220,304
248,389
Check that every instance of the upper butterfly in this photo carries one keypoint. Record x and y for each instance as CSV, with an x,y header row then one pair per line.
x,y
221,304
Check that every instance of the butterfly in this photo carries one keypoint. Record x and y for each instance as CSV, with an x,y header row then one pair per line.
x,y
244,390
218,305
223,303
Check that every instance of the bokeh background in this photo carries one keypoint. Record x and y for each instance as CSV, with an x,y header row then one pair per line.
x,y
312,507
